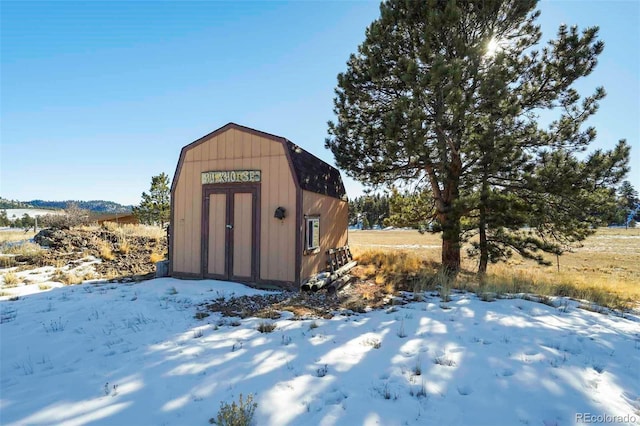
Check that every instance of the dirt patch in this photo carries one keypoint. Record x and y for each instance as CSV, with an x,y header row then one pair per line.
x,y
303,305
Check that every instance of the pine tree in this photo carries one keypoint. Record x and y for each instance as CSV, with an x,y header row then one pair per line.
x,y
447,94
4,219
154,209
629,201
411,209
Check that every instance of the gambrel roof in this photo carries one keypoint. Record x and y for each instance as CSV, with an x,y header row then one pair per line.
x,y
309,172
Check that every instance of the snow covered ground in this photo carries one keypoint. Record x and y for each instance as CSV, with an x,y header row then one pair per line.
x,y
133,354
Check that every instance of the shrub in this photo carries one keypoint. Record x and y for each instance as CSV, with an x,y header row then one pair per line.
x,y
374,343
322,371
71,279
235,414
73,216
10,279
444,361
265,327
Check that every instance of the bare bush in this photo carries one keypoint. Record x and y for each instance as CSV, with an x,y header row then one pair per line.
x,y
72,216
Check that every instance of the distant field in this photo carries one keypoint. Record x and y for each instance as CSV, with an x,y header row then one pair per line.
x,y
14,234
610,259
18,213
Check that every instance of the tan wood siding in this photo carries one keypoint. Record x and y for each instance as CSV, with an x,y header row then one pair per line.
x,y
179,224
237,150
217,233
242,227
334,217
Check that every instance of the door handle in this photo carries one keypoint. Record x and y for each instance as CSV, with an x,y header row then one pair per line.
x,y
229,226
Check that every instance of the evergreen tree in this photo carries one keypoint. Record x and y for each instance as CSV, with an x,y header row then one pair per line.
x,y
447,94
629,201
365,223
4,219
411,209
25,222
375,208
154,209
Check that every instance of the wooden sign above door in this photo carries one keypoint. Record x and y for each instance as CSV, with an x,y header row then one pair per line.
x,y
231,176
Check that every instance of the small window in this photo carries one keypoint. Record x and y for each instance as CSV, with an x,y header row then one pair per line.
x,y
312,240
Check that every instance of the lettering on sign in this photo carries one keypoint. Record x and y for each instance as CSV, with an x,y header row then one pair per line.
x,y
231,176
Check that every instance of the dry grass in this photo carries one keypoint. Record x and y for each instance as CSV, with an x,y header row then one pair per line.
x,y
266,327
10,279
26,252
24,249
606,270
156,257
66,278
7,261
104,249
123,245
153,232
15,235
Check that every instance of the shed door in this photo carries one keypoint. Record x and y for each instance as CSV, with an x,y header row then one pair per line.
x,y
229,244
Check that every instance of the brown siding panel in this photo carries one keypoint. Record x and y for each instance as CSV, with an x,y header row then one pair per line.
x,y
243,225
217,230
196,214
222,145
178,225
334,217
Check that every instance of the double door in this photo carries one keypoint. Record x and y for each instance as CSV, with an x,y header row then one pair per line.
x,y
230,218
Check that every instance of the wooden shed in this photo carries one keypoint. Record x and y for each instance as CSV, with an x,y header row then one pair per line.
x,y
253,207
119,218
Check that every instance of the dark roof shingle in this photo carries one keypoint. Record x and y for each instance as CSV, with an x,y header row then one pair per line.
x,y
315,175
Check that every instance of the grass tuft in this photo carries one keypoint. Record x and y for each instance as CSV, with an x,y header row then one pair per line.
x,y
156,257
236,414
266,327
104,249
66,278
124,247
10,279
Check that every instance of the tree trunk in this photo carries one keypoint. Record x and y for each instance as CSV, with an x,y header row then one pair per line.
x,y
451,244
484,246
484,250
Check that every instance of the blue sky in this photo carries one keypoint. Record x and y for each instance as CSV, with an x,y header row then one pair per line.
x,y
97,97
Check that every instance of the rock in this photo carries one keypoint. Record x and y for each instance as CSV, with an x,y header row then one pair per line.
x,y
44,238
162,269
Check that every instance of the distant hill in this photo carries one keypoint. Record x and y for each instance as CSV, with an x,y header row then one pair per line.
x,y
101,206
13,204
